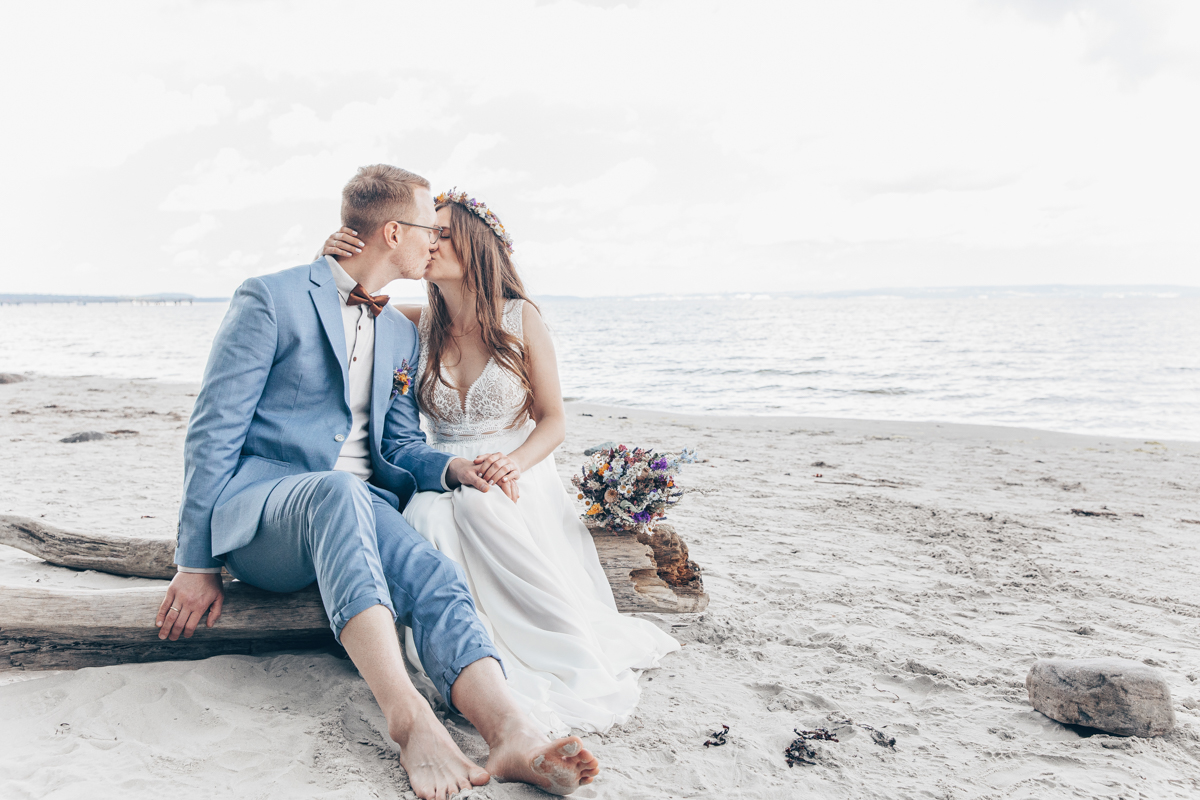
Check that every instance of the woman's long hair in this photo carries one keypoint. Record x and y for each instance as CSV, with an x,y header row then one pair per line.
x,y
488,274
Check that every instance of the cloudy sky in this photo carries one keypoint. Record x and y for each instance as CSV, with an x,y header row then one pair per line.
x,y
632,147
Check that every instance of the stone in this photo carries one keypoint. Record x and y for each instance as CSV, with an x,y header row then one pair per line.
x,y
1115,695
86,436
10,377
597,448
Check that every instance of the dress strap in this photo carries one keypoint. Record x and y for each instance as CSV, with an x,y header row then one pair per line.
x,y
423,323
512,321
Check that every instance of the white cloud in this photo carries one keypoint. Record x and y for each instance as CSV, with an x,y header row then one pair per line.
x,y
463,167
193,233
239,261
188,258
659,144
610,190
292,236
231,181
253,111
414,105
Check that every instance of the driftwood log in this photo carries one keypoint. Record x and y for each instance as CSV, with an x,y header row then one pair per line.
x,y
138,556
650,572
44,628
72,628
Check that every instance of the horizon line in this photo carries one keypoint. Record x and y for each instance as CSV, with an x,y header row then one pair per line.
x,y
16,298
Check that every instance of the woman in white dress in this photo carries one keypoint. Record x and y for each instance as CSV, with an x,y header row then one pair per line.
x,y
489,391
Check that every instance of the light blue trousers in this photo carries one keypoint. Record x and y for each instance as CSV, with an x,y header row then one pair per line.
x,y
350,538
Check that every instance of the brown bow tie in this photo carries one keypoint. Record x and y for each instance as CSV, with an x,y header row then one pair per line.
x,y
358,296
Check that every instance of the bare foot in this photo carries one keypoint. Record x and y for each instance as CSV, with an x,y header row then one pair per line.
x,y
558,767
436,767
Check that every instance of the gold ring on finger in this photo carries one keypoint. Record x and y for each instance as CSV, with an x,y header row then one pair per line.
x,y
173,608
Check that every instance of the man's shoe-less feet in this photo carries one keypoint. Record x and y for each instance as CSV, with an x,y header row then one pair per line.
x,y
436,767
558,767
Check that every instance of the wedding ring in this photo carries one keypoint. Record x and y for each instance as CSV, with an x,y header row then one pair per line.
x,y
173,608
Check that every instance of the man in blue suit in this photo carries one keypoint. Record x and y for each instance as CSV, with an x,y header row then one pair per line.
x,y
303,447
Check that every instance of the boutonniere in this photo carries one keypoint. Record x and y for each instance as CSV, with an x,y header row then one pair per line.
x,y
401,380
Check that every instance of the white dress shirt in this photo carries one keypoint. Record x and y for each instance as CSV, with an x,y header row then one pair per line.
x,y
359,325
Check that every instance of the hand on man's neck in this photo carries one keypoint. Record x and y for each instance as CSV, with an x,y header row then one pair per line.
x,y
372,270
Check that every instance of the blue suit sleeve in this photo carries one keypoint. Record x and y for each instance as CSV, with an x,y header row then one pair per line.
x,y
403,443
241,358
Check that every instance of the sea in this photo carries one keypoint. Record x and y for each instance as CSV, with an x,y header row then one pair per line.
x,y
1116,364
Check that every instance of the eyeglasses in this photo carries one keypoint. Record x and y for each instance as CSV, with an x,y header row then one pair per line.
x,y
435,232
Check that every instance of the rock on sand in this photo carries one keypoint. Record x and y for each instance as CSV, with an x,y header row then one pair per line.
x,y
1123,697
86,436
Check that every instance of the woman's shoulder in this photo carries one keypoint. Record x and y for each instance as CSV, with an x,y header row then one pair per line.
x,y
532,323
529,311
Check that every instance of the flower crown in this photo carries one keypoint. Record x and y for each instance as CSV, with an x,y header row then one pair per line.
x,y
479,209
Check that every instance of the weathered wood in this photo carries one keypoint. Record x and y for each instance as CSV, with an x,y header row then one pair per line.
x,y
630,564
50,628
45,628
635,576
139,556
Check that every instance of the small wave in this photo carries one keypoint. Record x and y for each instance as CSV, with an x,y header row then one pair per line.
x,y
789,372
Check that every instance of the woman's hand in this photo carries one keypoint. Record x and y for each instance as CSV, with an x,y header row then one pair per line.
x,y
344,243
492,467
461,472
189,596
500,468
509,487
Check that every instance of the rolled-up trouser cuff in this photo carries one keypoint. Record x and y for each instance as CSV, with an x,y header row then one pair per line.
x,y
355,607
462,662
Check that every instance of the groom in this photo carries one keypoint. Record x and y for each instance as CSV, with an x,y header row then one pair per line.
x,y
302,450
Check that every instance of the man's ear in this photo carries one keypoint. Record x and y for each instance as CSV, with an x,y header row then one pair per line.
x,y
391,233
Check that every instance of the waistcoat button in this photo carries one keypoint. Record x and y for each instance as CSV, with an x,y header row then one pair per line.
x,y
339,438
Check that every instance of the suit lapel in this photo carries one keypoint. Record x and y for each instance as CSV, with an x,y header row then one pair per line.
x,y
329,309
381,378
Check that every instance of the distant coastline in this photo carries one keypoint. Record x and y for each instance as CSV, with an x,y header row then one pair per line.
x,y
1099,291
84,299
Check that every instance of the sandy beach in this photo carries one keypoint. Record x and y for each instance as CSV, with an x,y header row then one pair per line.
x,y
899,575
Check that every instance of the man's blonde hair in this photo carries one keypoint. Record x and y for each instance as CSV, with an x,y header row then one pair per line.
x,y
379,194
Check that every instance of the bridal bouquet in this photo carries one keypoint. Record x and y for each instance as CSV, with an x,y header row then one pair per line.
x,y
629,489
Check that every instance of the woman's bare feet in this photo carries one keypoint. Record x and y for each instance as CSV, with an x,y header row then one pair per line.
x,y
436,767
558,767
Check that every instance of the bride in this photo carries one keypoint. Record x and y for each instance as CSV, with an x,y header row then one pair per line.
x,y
489,391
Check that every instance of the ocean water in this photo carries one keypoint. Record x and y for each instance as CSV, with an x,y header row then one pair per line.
x,y
1122,366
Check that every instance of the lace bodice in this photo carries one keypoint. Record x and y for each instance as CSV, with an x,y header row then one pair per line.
x,y
494,401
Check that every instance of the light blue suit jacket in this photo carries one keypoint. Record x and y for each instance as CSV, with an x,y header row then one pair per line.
x,y
274,398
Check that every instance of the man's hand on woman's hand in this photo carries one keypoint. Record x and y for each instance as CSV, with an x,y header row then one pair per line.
x,y
462,472
465,473
189,596
344,243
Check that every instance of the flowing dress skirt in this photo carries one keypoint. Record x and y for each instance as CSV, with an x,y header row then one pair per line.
x,y
571,658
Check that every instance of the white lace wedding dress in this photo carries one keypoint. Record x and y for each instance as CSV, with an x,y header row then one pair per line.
x,y
570,657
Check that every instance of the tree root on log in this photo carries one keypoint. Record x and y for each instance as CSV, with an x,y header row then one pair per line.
x,y
650,573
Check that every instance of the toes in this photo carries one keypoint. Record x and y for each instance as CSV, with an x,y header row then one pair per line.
x,y
571,747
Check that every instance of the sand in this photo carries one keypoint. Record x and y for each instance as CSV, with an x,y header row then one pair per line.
x,y
900,575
